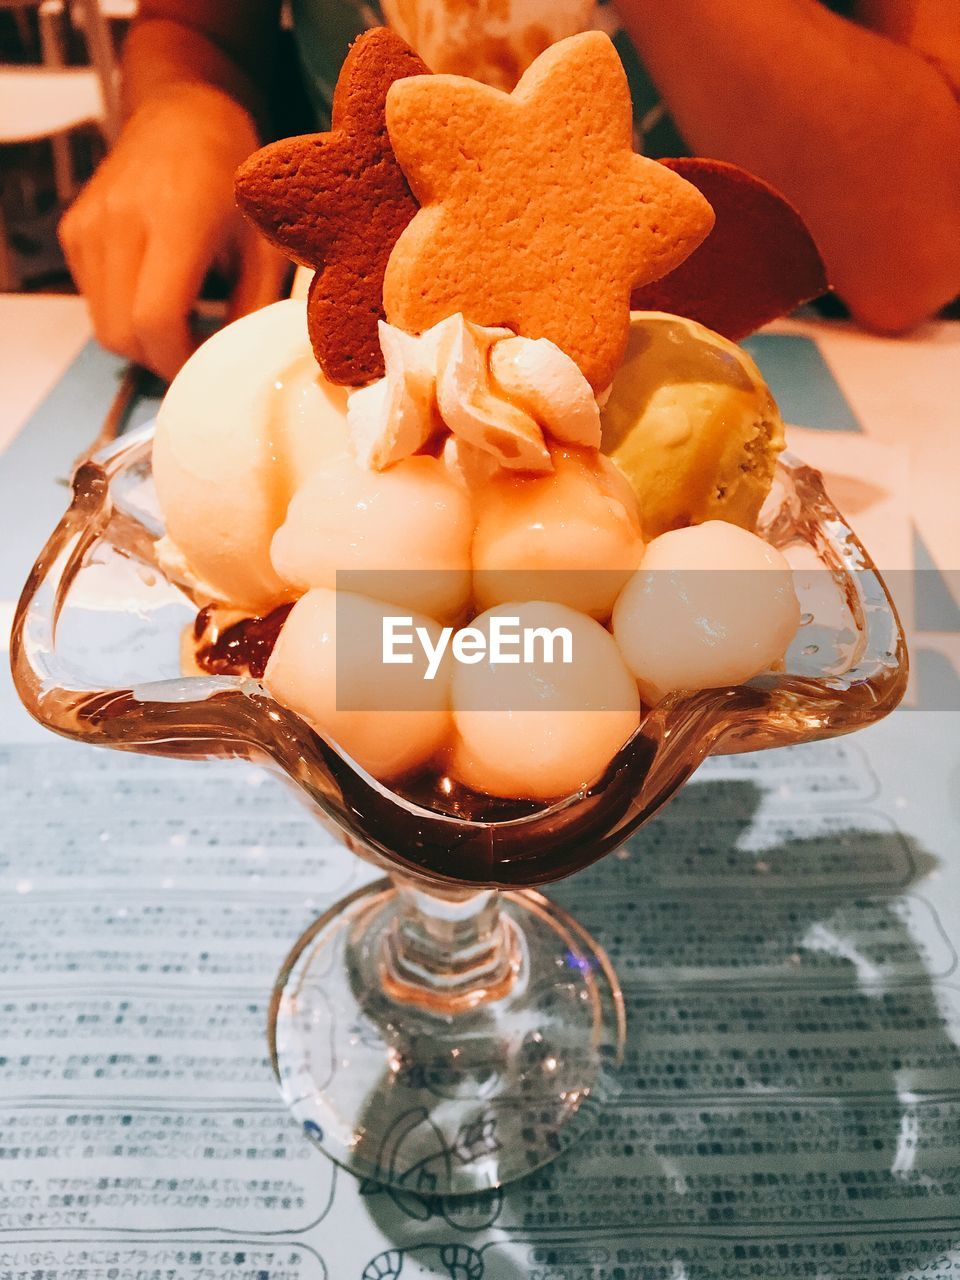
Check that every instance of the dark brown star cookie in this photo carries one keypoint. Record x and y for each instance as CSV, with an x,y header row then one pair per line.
x,y
338,202
758,262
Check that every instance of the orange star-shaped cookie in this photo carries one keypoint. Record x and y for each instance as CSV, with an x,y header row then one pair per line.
x,y
537,213
337,202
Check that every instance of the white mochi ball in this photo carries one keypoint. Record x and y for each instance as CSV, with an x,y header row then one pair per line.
x,y
710,605
572,536
327,667
541,730
401,535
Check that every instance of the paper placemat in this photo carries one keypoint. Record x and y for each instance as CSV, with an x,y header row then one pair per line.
x,y
787,934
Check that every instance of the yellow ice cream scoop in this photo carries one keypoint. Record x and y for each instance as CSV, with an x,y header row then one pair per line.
x,y
691,424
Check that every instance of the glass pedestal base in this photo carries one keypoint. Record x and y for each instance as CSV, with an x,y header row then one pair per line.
x,y
445,1045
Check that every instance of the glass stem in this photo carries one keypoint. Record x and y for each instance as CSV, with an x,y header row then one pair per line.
x,y
448,951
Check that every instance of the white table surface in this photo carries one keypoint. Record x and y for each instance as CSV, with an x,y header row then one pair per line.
x,y
40,335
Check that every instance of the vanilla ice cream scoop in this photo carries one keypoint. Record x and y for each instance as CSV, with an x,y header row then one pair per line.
x,y
245,421
326,666
711,605
572,536
541,729
402,534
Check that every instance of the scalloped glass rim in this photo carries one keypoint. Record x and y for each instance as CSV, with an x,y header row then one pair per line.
x,y
228,716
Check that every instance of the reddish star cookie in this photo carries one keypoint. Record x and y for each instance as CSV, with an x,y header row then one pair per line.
x,y
338,202
758,262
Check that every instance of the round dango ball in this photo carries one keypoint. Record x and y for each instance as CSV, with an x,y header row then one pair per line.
x,y
710,605
571,536
538,728
401,535
327,667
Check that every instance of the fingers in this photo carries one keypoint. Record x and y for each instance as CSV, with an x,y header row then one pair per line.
x,y
140,269
140,262
105,268
141,275
169,281
261,277
147,226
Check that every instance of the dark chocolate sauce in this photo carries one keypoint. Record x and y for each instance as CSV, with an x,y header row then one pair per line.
x,y
433,788
238,650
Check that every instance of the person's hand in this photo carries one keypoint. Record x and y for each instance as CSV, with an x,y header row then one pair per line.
x,y
156,216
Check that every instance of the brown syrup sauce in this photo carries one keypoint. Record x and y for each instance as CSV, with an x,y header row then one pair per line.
x,y
242,649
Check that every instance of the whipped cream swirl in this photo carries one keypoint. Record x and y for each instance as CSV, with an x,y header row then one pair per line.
x,y
503,396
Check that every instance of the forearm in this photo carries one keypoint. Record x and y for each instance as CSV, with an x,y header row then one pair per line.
x,y
161,54
863,135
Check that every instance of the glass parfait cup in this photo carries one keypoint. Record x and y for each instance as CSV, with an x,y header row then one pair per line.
x,y
447,1028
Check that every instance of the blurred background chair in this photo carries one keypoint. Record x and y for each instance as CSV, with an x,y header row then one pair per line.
x,y
54,97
